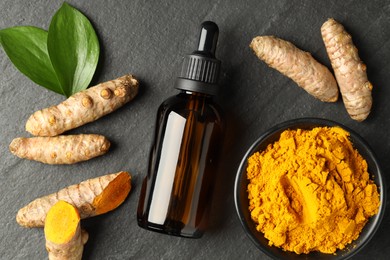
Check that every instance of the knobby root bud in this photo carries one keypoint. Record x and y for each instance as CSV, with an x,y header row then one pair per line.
x,y
63,149
298,65
83,107
349,70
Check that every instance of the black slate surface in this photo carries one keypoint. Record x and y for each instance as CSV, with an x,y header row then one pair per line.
x,y
149,39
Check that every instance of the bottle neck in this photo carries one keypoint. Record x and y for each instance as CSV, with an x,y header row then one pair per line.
x,y
195,94
196,101
187,84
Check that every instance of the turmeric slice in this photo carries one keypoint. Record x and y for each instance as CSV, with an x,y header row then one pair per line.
x,y
64,237
66,149
349,70
91,197
298,65
83,107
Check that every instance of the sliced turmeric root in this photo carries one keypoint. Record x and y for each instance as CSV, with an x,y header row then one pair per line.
x,y
349,70
64,237
298,65
91,197
83,107
64,149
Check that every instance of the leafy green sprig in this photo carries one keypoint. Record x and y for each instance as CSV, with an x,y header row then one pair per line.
x,y
62,59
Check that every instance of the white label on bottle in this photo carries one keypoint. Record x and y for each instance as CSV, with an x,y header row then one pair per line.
x,y
166,168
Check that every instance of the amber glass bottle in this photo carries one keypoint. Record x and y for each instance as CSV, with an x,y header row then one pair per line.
x,y
177,190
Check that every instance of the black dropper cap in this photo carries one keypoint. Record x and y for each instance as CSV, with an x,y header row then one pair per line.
x,y
201,69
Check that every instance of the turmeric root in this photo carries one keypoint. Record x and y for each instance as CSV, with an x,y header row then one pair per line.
x,y
91,197
83,107
349,70
64,237
298,65
64,149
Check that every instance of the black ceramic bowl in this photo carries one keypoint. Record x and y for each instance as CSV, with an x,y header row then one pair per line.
x,y
242,202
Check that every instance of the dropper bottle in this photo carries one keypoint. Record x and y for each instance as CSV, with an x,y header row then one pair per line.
x,y
178,188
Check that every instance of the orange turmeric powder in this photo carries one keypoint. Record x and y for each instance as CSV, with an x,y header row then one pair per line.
x,y
311,191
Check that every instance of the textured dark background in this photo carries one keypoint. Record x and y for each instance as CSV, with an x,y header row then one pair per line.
x,y
149,39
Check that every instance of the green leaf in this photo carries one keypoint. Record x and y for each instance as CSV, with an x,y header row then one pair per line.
x,y
73,49
26,46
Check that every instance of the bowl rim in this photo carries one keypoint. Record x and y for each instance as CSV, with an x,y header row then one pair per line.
x,y
293,124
